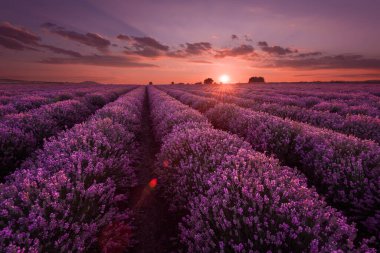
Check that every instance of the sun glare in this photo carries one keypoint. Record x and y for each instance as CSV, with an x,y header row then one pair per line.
x,y
224,79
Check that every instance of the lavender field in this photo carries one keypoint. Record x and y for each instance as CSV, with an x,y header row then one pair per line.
x,y
280,167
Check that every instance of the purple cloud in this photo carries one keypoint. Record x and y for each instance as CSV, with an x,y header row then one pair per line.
x,y
88,39
328,62
17,33
144,42
143,46
234,37
309,54
124,37
150,47
197,48
13,44
275,50
100,60
58,50
191,49
262,44
236,51
17,38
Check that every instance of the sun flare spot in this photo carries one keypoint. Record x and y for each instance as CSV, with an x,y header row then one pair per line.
x,y
224,79
153,183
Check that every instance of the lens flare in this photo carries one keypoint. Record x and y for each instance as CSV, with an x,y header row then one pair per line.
x,y
153,183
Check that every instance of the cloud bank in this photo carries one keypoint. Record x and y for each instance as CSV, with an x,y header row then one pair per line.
x,y
138,51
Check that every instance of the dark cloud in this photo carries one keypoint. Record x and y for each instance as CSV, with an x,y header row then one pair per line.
x,y
58,50
309,54
145,42
88,39
49,25
145,52
13,44
262,44
143,46
350,76
328,62
197,48
234,37
16,38
124,37
364,75
150,47
100,60
236,51
275,50
17,33
141,42
191,49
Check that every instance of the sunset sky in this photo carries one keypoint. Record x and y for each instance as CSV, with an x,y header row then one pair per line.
x,y
124,41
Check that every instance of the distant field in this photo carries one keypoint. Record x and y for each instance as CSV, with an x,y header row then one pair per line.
x,y
190,168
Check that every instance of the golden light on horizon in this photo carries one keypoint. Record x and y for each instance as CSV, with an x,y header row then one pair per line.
x,y
224,79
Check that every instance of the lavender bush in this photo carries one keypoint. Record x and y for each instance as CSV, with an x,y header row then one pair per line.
x,y
225,196
189,155
7,109
343,168
25,99
166,116
252,204
362,126
66,198
29,102
342,103
231,194
24,132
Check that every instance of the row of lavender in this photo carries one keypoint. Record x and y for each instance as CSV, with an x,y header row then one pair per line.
x,y
362,126
15,100
235,199
71,196
313,98
342,104
21,134
344,169
23,103
27,103
326,90
44,89
351,97
354,105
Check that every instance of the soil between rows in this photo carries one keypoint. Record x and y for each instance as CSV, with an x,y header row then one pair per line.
x,y
156,227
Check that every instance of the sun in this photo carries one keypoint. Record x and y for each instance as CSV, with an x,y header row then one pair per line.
x,y
224,79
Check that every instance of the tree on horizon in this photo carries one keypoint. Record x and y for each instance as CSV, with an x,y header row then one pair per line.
x,y
256,79
208,81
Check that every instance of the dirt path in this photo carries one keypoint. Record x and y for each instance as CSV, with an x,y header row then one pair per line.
x,y
155,229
